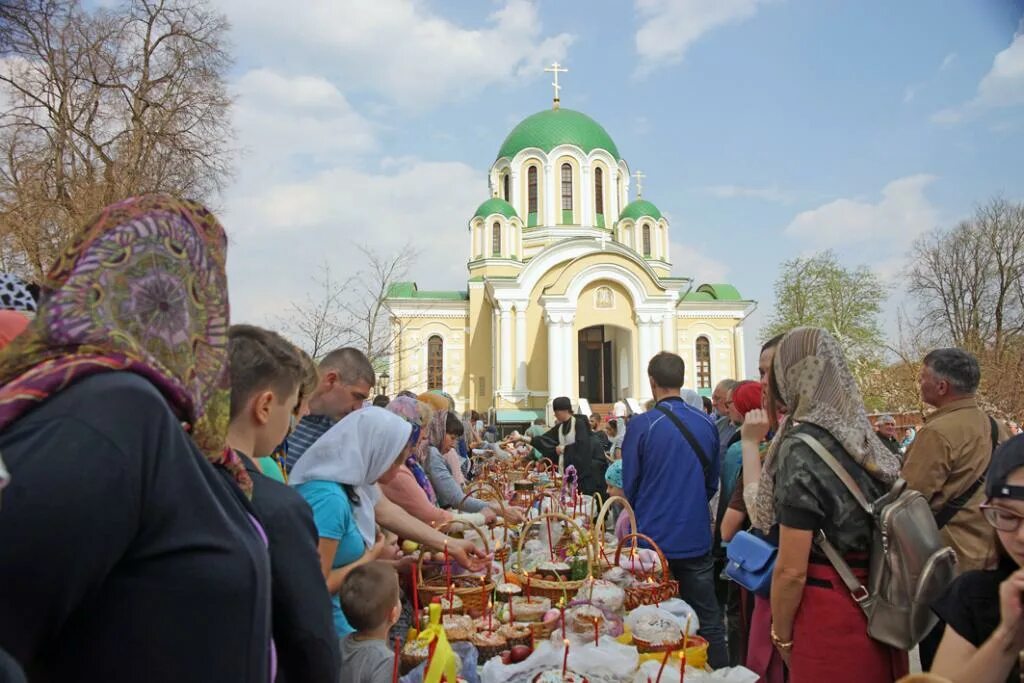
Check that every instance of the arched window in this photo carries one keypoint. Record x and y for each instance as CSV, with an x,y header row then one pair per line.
x,y
435,363
505,187
599,190
647,239
531,190
566,187
496,238
703,363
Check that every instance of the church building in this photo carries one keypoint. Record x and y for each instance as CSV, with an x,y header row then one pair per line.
x,y
570,288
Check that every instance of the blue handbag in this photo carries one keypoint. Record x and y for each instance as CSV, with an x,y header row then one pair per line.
x,y
750,562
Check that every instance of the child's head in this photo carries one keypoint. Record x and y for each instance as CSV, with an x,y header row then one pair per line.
x,y
265,372
370,596
453,430
613,478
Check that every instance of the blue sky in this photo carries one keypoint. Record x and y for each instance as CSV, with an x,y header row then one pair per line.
x,y
766,129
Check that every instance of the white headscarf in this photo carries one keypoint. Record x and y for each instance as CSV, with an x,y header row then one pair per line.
x,y
357,451
692,399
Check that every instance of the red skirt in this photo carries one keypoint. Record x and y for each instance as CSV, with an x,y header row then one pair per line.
x,y
830,638
762,657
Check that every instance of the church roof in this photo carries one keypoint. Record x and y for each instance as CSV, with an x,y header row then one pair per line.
x,y
495,205
409,290
639,208
714,292
552,127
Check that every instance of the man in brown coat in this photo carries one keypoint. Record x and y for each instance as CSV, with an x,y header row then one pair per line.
x,y
948,459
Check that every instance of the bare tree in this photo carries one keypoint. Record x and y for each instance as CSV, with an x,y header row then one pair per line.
x,y
968,284
969,281
101,104
316,325
369,325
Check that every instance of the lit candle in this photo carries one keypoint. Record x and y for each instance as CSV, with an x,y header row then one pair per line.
x,y
490,615
565,658
551,541
527,586
597,633
415,600
682,662
664,660
561,608
394,670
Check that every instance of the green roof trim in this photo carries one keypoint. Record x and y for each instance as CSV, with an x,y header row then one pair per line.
x,y
552,127
495,205
714,292
640,208
512,416
409,290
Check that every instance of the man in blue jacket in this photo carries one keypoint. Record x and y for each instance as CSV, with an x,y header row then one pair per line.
x,y
670,471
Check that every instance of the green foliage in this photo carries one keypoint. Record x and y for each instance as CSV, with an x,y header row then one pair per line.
x,y
817,291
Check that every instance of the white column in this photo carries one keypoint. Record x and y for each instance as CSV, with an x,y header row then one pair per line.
x,y
646,332
667,248
521,346
668,332
586,197
553,200
514,193
555,363
571,383
741,353
506,348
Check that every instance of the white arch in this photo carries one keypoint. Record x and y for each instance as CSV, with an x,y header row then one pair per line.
x,y
607,271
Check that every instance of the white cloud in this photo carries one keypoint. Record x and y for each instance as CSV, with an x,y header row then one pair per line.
x,y
947,61
670,27
281,233
768,194
689,261
398,49
902,214
280,116
1002,86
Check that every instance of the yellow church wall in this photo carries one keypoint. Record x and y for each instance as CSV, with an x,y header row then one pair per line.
x,y
719,332
411,372
563,278
480,354
495,268
620,315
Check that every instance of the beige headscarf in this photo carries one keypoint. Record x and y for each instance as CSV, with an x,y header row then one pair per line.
x,y
817,387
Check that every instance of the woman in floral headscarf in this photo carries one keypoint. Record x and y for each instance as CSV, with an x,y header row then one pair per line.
x,y
113,403
817,627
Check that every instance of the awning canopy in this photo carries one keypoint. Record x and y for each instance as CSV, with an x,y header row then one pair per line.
x,y
517,416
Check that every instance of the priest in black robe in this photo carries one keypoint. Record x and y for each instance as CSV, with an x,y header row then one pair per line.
x,y
572,442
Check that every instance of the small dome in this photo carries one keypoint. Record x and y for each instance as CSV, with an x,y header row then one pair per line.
x,y
553,127
640,208
495,205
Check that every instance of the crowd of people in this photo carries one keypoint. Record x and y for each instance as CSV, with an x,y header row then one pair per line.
x,y
189,500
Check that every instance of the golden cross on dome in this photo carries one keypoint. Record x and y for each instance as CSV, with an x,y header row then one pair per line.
x,y
639,175
556,69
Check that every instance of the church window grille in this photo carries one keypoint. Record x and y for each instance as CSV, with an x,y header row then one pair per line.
x,y
599,190
566,187
703,363
435,363
496,238
647,239
531,189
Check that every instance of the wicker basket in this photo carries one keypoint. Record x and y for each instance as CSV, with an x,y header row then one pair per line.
x,y
654,589
602,562
561,589
473,591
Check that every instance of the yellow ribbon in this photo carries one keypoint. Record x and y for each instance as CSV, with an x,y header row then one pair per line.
x,y
442,664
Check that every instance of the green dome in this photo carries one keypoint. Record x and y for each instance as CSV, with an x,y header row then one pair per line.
x,y
552,127
638,209
495,205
